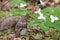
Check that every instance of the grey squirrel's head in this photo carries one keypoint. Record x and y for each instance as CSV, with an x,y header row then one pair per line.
x,y
22,21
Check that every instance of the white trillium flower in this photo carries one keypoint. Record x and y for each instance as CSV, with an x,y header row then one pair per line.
x,y
38,11
53,18
41,17
41,14
23,5
42,3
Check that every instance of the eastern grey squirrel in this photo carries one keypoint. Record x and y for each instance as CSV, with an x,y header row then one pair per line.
x,y
18,23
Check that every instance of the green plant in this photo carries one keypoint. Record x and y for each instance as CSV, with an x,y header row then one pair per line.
x,y
19,11
44,25
15,2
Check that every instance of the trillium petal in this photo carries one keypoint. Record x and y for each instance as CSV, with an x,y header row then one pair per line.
x,y
22,5
56,18
42,3
39,17
40,14
38,11
44,18
52,20
51,16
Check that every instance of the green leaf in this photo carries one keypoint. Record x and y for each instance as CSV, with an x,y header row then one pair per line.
x,y
14,2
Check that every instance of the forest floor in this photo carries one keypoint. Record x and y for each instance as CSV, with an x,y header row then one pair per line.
x,y
31,33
